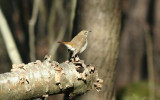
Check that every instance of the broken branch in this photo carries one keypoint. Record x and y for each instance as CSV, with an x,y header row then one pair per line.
x,y
38,79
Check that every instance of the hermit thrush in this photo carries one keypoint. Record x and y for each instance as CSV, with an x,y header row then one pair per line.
x,y
78,44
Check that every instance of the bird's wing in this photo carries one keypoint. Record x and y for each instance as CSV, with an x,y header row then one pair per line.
x,y
79,46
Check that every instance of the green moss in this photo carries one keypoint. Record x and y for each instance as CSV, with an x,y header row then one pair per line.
x,y
135,91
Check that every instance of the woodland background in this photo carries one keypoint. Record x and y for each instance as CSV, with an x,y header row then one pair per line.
x,y
37,25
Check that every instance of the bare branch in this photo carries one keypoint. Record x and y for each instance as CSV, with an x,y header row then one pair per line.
x,y
55,45
51,21
72,15
31,30
42,17
56,7
9,41
37,79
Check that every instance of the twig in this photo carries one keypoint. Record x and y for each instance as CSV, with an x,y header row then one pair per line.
x,y
31,29
9,41
40,79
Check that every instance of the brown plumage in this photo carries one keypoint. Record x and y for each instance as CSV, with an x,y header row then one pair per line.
x,y
78,44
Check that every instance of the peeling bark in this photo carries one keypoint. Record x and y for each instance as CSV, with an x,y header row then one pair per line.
x,y
40,79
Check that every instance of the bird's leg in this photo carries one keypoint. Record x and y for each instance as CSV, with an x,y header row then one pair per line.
x,y
77,58
72,58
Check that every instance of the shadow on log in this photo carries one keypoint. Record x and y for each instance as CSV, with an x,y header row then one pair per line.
x,y
40,79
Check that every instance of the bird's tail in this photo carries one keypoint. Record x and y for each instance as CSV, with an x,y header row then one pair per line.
x,y
63,42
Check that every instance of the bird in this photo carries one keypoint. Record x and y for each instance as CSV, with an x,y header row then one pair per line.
x,y
78,44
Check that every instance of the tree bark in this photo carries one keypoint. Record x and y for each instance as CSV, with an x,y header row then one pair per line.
x,y
40,79
103,19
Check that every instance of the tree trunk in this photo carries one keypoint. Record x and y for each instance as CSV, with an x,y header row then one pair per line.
x,y
132,45
156,38
103,19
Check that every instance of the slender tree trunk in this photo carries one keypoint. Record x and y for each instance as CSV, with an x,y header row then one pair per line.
x,y
4,58
156,38
103,19
132,45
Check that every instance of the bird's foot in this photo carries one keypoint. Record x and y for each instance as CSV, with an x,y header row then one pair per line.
x,y
74,59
